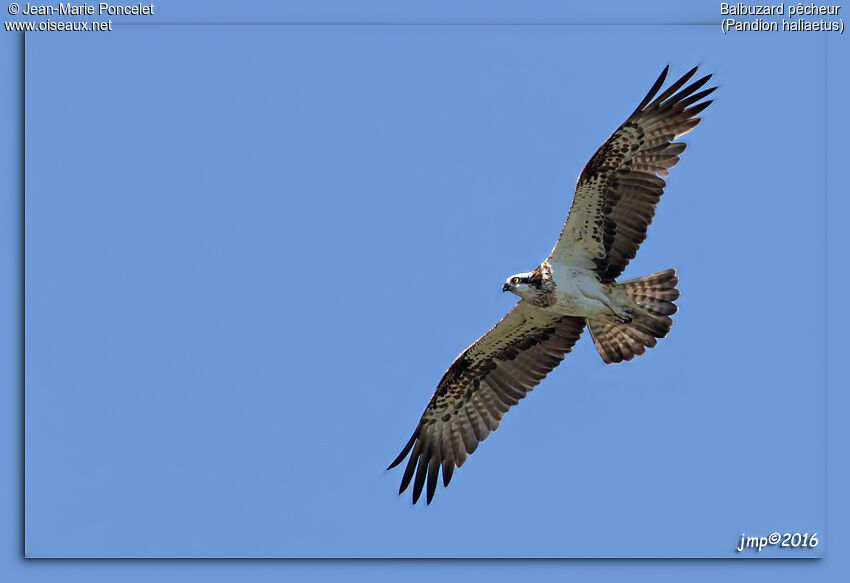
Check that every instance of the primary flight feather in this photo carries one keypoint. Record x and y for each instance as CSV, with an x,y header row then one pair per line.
x,y
614,203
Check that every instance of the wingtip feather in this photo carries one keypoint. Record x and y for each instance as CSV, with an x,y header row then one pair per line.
x,y
653,90
405,450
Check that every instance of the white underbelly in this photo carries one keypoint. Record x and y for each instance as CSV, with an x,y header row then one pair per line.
x,y
579,293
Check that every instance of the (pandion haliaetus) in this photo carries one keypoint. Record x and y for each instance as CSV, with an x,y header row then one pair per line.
x,y
614,202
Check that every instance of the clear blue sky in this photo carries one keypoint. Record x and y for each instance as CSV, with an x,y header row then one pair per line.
x,y
251,252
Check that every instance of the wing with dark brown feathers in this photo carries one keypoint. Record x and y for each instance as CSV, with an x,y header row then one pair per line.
x,y
619,188
486,380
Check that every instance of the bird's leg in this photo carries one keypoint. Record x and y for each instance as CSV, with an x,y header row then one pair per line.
x,y
620,313
606,295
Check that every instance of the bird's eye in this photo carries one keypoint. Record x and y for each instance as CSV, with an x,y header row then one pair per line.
x,y
515,280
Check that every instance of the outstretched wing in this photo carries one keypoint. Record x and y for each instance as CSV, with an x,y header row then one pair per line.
x,y
618,190
478,389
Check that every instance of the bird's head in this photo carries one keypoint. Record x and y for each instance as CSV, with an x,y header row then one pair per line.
x,y
519,284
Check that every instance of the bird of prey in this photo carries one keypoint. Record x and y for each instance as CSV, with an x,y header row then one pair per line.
x,y
574,287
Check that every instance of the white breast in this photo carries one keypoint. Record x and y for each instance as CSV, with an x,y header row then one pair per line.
x,y
579,293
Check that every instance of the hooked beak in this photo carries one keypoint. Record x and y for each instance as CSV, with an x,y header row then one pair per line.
x,y
506,287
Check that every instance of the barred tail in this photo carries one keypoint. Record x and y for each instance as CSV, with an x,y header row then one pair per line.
x,y
652,297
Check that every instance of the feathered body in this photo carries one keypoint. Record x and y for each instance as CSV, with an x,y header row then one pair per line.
x,y
615,199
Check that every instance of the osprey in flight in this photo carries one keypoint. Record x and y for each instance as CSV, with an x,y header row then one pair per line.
x,y
575,286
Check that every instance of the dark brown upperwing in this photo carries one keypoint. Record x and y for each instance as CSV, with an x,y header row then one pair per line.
x,y
481,385
620,186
